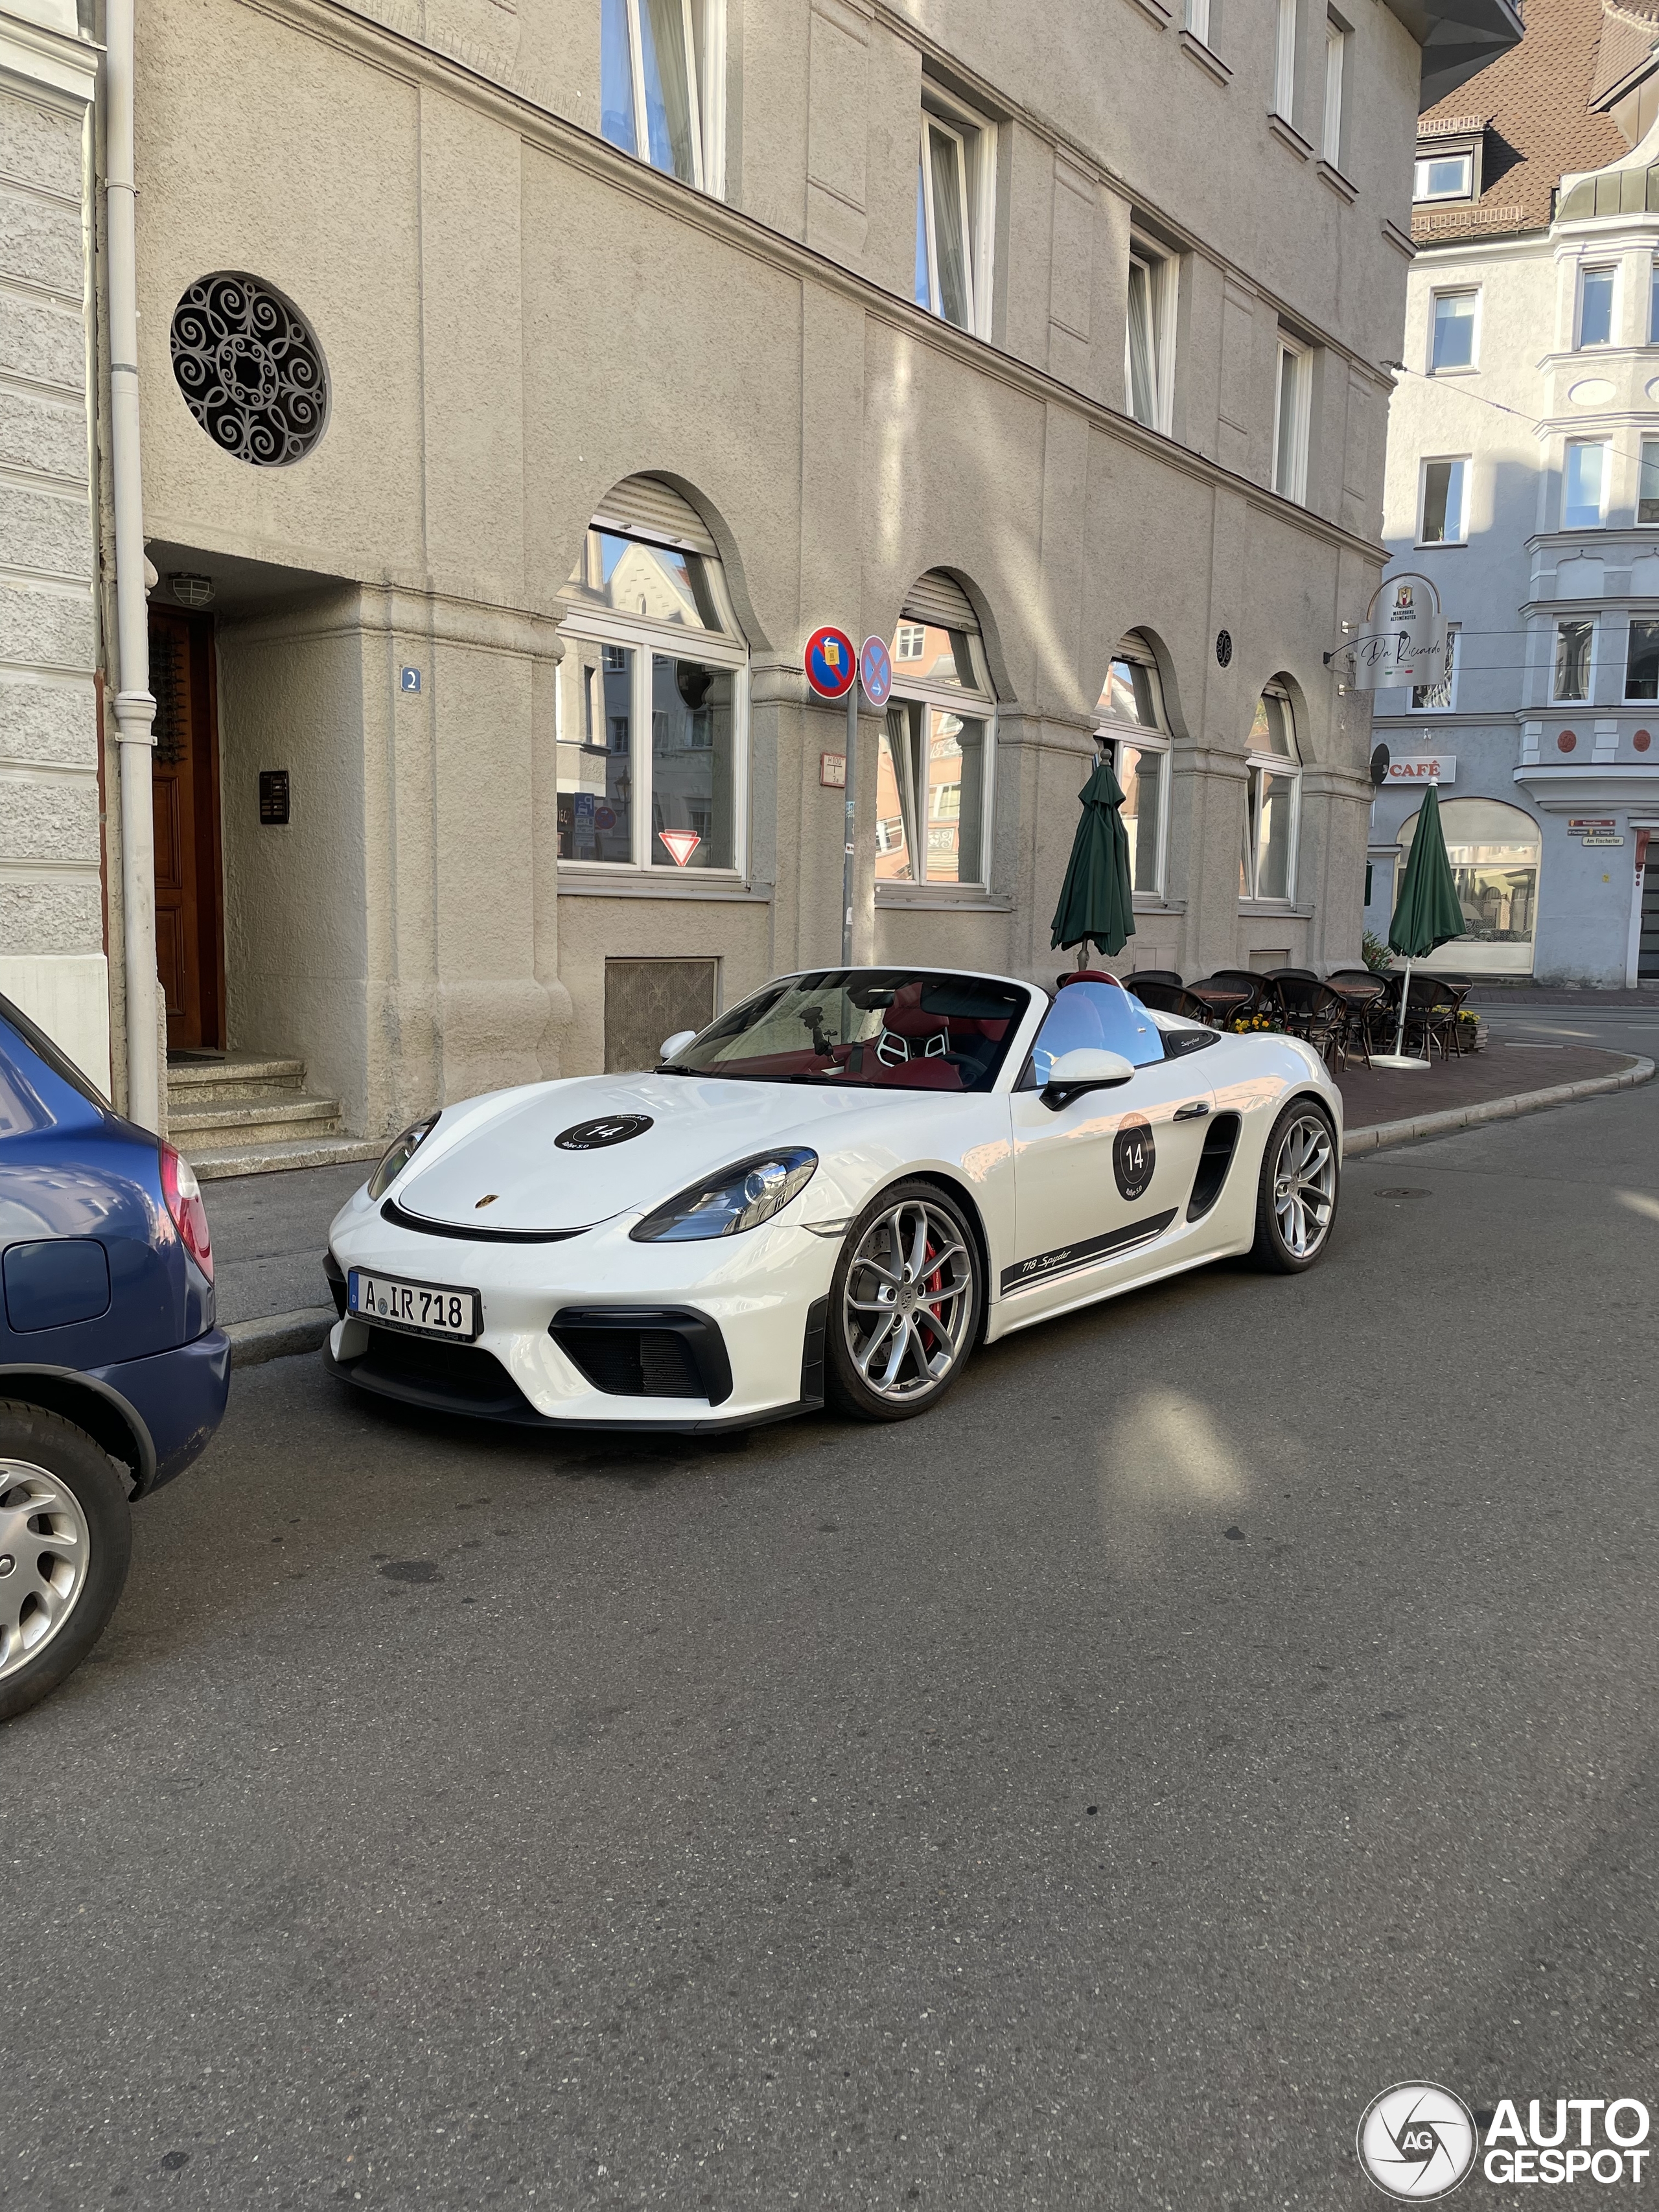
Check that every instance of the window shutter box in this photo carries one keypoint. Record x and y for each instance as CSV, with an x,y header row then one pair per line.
x,y
939,599
646,506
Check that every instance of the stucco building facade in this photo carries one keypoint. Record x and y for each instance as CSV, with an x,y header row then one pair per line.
x,y
520,387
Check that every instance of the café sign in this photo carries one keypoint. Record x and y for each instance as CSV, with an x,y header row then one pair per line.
x,y
1423,768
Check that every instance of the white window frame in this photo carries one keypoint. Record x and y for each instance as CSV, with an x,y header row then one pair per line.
x,y
970,706
705,90
940,111
603,626
1460,536
1286,27
1643,449
1337,36
1416,704
1590,670
1302,402
1571,446
1631,621
1110,732
1596,345
1456,292
1421,196
1653,302
1163,286
1289,768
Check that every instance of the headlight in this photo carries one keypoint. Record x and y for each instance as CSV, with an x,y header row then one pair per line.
x,y
735,1198
403,1151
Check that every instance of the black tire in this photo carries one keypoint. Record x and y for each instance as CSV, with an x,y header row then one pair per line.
x,y
1296,1199
936,1309
82,1563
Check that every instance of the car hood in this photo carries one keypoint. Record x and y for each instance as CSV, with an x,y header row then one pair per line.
x,y
697,1125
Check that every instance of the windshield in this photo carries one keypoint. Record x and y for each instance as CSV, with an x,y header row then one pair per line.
x,y
896,1028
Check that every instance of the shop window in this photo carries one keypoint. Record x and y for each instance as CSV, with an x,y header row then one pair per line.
x,y
1642,662
1445,517
1443,177
1292,410
1596,288
1133,727
1452,341
955,182
1440,698
1493,850
661,68
650,718
1575,647
1584,484
1273,801
935,758
1149,336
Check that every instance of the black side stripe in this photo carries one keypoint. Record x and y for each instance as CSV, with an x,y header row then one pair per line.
x,y
1070,1259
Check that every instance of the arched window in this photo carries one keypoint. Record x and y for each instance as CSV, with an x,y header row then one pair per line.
x,y
1266,867
1494,853
651,718
1133,725
933,776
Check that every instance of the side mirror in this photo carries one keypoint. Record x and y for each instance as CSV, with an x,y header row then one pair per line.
x,y
677,1042
1086,1069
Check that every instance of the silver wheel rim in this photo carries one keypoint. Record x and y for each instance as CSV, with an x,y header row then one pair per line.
x,y
1304,1185
45,1550
908,1303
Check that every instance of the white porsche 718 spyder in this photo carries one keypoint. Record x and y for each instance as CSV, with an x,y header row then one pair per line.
x,y
833,1192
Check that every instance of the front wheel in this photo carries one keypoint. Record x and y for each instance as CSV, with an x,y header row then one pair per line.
x,y
904,1304
65,1540
1296,1193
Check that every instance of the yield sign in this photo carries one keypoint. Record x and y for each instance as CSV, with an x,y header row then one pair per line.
x,y
682,843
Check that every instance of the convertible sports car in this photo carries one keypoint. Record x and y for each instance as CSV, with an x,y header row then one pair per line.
x,y
835,1191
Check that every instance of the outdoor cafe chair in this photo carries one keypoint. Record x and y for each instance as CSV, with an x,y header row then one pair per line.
x,y
1166,976
1293,974
1152,990
1226,996
1313,1012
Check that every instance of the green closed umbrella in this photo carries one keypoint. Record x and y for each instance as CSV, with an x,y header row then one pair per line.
x,y
1428,912
1096,900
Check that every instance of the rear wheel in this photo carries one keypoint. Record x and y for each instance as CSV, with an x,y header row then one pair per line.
x,y
1296,1193
65,1540
904,1304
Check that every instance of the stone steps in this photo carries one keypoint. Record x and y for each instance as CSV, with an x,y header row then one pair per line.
x,y
245,1113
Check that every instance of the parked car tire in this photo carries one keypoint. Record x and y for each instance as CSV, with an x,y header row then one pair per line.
x,y
1297,1191
904,1304
66,1542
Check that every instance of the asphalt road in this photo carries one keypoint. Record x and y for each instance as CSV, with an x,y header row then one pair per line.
x,y
1227,1704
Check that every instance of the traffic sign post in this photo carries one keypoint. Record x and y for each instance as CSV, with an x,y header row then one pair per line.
x,y
834,672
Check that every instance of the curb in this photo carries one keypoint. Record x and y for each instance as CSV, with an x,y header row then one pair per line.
x,y
1382,1134
276,1336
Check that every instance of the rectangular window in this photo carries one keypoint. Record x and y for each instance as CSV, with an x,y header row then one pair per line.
x,y
1647,496
1443,177
1197,20
1642,662
1140,771
954,175
1149,337
1574,642
659,86
930,795
1336,47
1285,61
1653,305
1292,403
1452,343
910,641
693,762
1595,307
1266,869
1439,698
1445,502
1584,484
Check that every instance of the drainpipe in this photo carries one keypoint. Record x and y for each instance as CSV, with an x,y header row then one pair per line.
x,y
135,708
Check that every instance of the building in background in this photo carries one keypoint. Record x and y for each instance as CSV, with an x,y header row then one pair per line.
x,y
520,388
1523,478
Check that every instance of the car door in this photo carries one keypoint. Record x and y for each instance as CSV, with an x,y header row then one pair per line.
x,y
1101,1180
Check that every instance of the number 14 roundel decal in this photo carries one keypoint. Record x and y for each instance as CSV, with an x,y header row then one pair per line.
x,y
1134,1157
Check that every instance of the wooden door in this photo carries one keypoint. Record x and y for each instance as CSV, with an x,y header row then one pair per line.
x,y
189,888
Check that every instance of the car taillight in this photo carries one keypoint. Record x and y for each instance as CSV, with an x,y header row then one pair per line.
x,y
184,1197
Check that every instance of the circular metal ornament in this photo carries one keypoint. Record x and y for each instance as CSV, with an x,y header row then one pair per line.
x,y
607,1129
251,371
1223,647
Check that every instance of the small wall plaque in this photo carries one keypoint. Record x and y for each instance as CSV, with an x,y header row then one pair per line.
x,y
832,771
273,799
408,679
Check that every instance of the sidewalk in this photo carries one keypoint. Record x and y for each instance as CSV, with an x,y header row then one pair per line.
x,y
269,1230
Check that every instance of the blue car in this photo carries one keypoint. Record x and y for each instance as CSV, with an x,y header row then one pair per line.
x,y
112,1376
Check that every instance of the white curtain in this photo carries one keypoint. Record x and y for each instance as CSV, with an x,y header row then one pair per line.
x,y
668,87
949,237
1142,358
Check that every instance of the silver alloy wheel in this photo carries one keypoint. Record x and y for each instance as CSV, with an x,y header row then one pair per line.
x,y
908,1303
1304,1185
45,1550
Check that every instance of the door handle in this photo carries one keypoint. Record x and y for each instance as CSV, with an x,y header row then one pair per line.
x,y
1190,1113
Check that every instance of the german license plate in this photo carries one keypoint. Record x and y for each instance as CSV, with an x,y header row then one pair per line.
x,y
419,1308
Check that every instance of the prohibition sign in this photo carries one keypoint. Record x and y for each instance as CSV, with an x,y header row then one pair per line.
x,y
875,669
832,666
